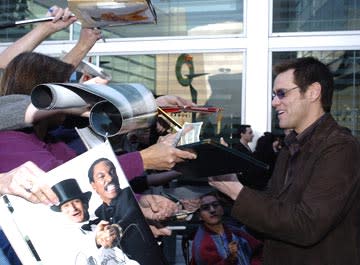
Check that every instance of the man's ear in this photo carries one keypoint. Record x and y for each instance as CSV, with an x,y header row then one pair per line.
x,y
93,185
314,91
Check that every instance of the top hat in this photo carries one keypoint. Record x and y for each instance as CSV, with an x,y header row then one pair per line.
x,y
68,190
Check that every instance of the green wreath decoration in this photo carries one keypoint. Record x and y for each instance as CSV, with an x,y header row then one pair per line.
x,y
184,59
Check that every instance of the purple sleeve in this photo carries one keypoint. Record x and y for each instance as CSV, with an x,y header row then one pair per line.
x,y
131,164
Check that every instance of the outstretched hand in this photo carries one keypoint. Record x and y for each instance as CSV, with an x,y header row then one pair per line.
x,y
25,181
157,207
162,156
227,184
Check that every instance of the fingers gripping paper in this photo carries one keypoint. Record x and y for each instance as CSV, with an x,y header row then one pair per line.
x,y
107,13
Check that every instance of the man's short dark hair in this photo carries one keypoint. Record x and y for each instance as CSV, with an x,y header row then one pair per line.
x,y
242,128
108,162
308,70
213,193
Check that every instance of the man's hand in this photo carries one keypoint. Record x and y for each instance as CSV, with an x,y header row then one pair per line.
x,y
233,248
63,18
25,181
157,207
162,156
170,100
107,235
227,184
190,205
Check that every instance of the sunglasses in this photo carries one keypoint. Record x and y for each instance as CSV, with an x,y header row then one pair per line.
x,y
281,93
207,206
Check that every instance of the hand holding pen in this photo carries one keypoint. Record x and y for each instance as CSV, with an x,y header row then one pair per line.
x,y
56,19
59,18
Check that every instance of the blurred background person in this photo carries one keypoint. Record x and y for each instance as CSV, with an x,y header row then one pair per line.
x,y
218,243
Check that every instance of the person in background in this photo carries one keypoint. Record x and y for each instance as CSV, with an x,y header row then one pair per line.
x,y
246,135
216,242
266,150
310,212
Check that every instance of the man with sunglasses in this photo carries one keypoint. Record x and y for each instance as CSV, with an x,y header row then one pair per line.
x,y
219,243
310,212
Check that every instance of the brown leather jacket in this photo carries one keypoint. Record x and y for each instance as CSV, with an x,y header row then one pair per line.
x,y
313,216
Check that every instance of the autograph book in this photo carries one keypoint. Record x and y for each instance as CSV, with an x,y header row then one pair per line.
x,y
46,235
214,159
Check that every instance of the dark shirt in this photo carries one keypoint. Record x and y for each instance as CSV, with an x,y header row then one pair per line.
x,y
293,142
242,148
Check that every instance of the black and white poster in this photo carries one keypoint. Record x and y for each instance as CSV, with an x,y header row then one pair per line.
x,y
98,220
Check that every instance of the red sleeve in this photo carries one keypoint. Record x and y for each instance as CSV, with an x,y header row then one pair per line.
x,y
208,253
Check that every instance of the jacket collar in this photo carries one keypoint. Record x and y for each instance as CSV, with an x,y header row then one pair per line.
x,y
294,141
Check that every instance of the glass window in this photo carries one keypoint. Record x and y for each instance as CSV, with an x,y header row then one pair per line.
x,y
175,18
17,10
315,15
188,18
345,65
216,78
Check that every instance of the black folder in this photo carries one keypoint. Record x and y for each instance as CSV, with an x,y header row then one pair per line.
x,y
214,159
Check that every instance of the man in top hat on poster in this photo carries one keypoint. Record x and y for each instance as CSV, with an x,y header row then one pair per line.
x,y
72,201
75,204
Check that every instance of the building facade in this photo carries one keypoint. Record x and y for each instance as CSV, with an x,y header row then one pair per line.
x,y
223,49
